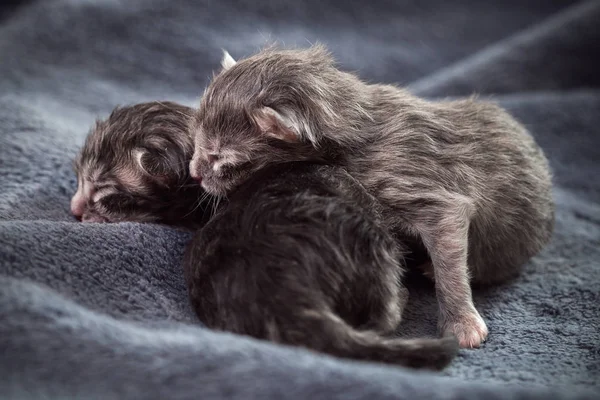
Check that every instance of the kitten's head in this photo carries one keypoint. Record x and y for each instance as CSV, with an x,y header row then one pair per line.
x,y
133,167
269,108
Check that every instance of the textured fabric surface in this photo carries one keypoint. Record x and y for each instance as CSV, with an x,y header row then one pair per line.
x,y
100,311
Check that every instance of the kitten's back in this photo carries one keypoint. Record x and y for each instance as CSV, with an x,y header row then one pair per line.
x,y
300,257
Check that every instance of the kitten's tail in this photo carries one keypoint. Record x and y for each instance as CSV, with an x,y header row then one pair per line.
x,y
326,332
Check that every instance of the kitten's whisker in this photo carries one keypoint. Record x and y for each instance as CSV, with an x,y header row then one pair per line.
x,y
187,185
212,205
194,208
200,200
203,199
204,196
217,203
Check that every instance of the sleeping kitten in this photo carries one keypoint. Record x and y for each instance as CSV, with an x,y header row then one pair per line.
x,y
134,167
462,177
299,256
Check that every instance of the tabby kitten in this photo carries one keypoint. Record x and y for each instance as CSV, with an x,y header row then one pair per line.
x,y
299,256
134,167
462,177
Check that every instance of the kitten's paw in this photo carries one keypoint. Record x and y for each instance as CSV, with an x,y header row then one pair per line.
x,y
468,327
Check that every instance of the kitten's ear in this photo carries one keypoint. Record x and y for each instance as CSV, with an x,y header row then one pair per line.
x,y
274,124
227,61
159,165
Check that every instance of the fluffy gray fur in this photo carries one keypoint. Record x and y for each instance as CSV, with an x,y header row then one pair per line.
x,y
462,177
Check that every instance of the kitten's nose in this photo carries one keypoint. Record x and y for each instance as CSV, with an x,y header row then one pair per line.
x,y
195,174
77,206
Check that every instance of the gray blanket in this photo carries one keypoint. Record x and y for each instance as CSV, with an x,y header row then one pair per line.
x,y
100,311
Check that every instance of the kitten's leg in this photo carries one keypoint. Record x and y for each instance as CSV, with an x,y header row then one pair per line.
x,y
444,232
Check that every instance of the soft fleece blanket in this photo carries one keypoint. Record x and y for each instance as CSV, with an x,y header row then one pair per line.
x,y
100,311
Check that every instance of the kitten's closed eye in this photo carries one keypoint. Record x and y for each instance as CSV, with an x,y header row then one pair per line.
x,y
100,191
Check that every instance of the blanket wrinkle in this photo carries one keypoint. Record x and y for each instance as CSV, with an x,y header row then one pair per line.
x,y
101,310
508,65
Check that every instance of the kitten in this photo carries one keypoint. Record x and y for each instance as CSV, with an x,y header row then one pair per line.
x,y
133,167
299,256
462,177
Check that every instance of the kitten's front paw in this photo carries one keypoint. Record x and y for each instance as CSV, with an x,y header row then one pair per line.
x,y
468,327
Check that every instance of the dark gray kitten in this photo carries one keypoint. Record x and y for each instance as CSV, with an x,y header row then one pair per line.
x,y
462,177
134,167
299,256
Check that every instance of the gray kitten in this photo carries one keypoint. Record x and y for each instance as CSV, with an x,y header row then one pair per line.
x,y
299,256
462,177
134,167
